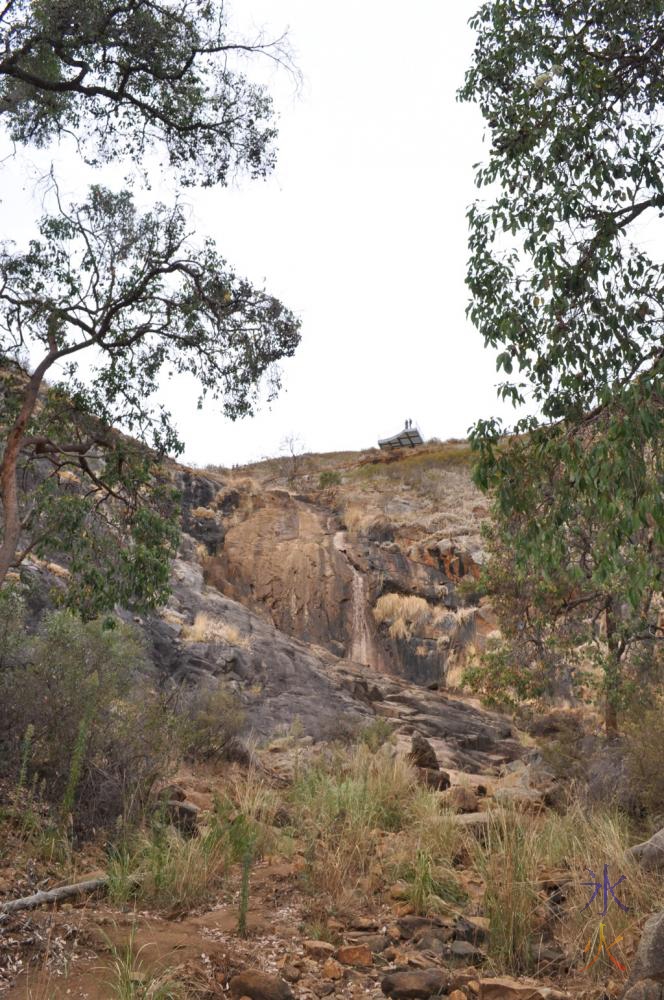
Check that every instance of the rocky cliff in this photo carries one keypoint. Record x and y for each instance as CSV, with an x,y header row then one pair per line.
x,y
316,617
379,589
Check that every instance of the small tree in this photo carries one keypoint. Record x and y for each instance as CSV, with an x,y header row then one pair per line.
x,y
134,294
562,285
565,624
293,461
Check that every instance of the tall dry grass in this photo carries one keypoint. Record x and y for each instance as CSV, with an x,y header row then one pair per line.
x,y
534,869
342,806
207,628
162,869
585,839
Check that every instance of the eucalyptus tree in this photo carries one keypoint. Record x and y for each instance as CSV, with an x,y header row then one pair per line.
x,y
567,282
141,299
127,76
106,300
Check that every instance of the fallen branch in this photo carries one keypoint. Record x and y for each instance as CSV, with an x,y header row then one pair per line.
x,y
51,896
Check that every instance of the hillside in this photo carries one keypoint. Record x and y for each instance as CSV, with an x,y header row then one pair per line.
x,y
378,831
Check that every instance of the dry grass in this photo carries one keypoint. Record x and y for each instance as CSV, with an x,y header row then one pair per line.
x,y
508,862
205,628
413,610
130,979
582,840
203,513
343,805
424,852
367,823
407,615
258,804
522,851
356,517
165,870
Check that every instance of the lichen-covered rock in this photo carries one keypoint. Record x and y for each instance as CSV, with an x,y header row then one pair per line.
x,y
260,986
437,780
422,754
650,854
646,975
416,985
460,799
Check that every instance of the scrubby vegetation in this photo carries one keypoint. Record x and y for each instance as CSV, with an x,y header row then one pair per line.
x,y
85,731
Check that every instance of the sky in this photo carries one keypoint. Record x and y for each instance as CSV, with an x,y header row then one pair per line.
x,y
361,230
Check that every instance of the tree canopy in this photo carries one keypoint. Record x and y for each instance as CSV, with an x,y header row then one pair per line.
x,y
124,77
567,283
133,292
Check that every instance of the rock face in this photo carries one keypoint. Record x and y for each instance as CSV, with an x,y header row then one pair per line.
x,y
280,559
280,681
646,977
291,561
650,854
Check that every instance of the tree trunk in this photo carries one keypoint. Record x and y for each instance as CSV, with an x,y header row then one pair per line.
x,y
610,717
11,520
52,895
612,679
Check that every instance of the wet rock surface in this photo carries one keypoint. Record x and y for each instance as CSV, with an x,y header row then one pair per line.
x,y
292,561
280,680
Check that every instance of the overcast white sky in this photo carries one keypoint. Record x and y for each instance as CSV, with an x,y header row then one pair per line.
x,y
361,230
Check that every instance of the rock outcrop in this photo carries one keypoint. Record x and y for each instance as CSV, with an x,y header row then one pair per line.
x,y
650,854
204,637
291,560
646,977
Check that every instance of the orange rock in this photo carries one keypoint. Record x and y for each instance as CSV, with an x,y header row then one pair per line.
x,y
318,949
332,969
355,954
457,995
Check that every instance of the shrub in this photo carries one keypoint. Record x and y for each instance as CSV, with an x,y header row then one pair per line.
x,y
12,626
211,717
99,735
377,733
643,753
328,478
